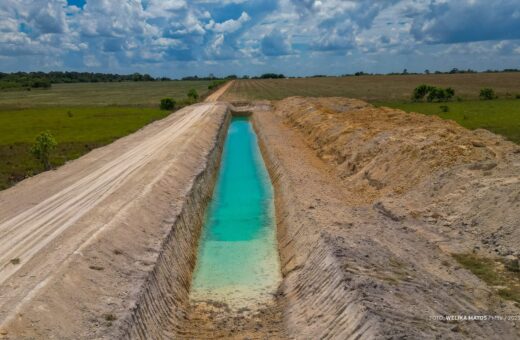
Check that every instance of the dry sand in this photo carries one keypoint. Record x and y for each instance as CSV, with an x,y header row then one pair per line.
x,y
370,205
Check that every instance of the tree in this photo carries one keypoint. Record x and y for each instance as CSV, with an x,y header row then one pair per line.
x,y
43,147
450,93
167,104
193,94
487,94
420,91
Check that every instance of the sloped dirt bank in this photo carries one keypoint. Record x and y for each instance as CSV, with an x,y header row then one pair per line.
x,y
163,303
358,262
129,278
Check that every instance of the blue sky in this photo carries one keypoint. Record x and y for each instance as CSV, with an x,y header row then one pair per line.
x,y
295,37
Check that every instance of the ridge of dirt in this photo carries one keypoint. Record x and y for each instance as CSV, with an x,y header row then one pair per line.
x,y
360,254
421,167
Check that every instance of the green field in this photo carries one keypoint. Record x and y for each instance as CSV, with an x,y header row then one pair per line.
x,y
102,94
500,116
80,116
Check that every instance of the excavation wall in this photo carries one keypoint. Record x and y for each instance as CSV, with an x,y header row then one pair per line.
x,y
163,303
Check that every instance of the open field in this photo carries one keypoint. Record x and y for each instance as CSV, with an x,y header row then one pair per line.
x,y
85,129
103,94
374,88
80,116
499,116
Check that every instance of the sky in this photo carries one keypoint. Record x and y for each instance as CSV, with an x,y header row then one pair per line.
x,y
177,38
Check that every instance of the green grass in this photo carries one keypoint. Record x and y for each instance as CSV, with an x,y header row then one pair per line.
x,y
499,116
99,114
86,128
146,94
505,278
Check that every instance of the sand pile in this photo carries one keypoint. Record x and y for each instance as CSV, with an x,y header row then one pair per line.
x,y
463,186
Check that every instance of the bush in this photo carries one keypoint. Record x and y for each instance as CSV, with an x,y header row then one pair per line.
x,y
193,94
215,84
43,147
444,108
434,93
437,94
421,91
487,94
167,104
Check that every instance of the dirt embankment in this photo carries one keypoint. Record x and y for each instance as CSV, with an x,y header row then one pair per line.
x,y
370,204
456,181
115,234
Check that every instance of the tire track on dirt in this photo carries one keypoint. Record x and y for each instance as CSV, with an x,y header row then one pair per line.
x,y
23,236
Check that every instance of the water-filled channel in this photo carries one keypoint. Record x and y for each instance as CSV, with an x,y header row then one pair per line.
x,y
237,259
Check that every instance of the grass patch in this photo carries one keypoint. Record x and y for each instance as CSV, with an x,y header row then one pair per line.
x,y
147,94
498,116
76,129
495,273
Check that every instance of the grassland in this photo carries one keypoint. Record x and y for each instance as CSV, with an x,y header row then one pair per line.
x,y
500,116
144,94
80,116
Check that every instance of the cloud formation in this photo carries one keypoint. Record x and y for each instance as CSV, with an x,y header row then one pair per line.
x,y
178,37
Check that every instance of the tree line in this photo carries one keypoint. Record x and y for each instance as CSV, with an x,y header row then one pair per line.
x,y
45,80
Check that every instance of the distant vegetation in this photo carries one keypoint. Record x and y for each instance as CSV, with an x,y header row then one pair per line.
x,y
488,94
167,104
45,80
433,93
193,95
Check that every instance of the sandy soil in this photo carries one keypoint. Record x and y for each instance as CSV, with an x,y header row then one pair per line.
x,y
370,205
77,243
215,96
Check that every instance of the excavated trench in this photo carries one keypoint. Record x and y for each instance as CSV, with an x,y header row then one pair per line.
x,y
219,271
273,278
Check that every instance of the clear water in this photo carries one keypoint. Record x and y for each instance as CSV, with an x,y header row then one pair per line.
x,y
238,259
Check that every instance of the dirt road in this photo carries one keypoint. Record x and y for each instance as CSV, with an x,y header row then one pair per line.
x,y
49,221
220,92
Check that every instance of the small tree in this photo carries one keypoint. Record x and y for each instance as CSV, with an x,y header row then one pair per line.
x,y
437,94
43,147
193,94
167,104
420,91
487,94
450,93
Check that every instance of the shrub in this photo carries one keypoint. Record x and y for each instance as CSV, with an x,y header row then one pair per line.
x,y
437,94
433,93
450,93
487,94
193,94
421,91
518,96
444,108
43,147
167,104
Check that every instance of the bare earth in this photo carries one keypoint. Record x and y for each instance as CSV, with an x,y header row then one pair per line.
x,y
370,205
95,227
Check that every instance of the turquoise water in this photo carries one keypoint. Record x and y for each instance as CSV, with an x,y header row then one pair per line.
x,y
238,261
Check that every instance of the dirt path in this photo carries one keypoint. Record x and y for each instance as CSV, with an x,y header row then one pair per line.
x,y
53,219
220,92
